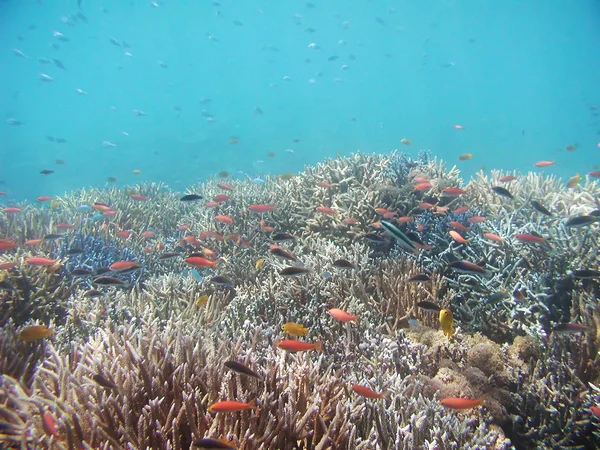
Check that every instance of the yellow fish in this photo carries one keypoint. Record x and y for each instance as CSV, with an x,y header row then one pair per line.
x,y
406,141
201,301
259,264
447,322
136,171
294,329
55,204
34,333
465,156
574,181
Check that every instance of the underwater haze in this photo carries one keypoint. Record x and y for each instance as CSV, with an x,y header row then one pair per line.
x,y
182,90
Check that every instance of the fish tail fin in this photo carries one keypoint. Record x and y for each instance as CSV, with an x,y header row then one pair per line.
x,y
319,346
252,404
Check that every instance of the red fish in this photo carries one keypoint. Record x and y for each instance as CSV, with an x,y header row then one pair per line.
x,y
293,346
65,226
11,209
453,192
477,219
366,392
224,219
44,198
148,234
493,237
350,221
6,244
32,242
527,238
405,219
109,213
120,266
225,187
212,204
40,261
595,411
422,186
457,237
261,208
8,265
594,174
507,178
232,406
341,315
544,163
183,227
325,210
461,403
459,226
124,234
220,198
461,209
324,184
48,425
199,261
140,197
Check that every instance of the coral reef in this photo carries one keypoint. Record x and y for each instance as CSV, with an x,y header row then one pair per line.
x,y
137,363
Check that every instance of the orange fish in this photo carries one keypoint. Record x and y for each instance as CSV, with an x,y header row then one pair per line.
x,y
420,180
341,315
44,198
232,406
199,261
325,210
124,234
422,186
426,205
65,226
594,174
225,187
477,219
11,209
148,234
457,237
293,346
40,261
461,209
212,204
493,237
527,238
459,226
7,265
34,333
48,425
544,163
7,245
220,198
366,392
595,411
461,403
264,227
404,219
324,184
261,208
507,178
32,242
101,207
224,219
453,191
109,213
183,227
120,266
140,197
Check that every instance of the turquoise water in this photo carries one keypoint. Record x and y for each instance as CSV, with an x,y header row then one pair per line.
x,y
519,76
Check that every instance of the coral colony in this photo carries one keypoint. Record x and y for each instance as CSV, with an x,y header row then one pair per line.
x,y
370,302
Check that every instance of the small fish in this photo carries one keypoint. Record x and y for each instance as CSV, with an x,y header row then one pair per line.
x,y
502,192
124,266
5,285
341,315
259,264
191,197
201,301
34,333
465,156
167,255
401,238
461,403
108,281
294,329
104,382
198,261
40,261
46,172
281,253
373,237
293,346
499,295
581,221
544,163
565,328
467,268
241,368
93,293
586,273
419,278
343,264
366,392
293,271
214,444
574,181
447,322
540,208
81,272
232,406
53,237
222,281
59,64
406,141
280,237
429,306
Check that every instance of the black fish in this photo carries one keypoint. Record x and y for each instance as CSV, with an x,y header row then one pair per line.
x,y
429,306
279,237
540,208
333,58
81,272
374,237
581,221
293,271
208,443
108,281
50,138
421,277
53,237
5,285
102,381
467,267
47,172
344,264
502,192
168,255
74,251
222,281
59,64
191,197
278,251
102,270
569,328
60,140
586,273
240,368
595,213
401,238
93,293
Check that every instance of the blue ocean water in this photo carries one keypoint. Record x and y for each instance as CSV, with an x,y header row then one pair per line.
x,y
328,76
